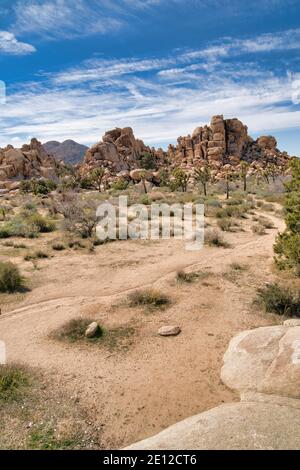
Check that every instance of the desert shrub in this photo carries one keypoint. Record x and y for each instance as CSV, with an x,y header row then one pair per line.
x,y
147,161
79,215
26,225
58,246
120,185
74,330
236,211
182,276
234,202
287,247
268,207
148,297
225,225
20,245
145,199
258,229
75,244
237,266
279,300
30,206
38,187
265,222
71,183
214,238
36,255
14,382
210,202
10,277
43,224
86,183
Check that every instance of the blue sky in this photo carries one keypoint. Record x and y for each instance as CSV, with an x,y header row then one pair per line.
x,y
74,69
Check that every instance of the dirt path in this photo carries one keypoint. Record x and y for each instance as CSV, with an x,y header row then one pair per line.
x,y
137,392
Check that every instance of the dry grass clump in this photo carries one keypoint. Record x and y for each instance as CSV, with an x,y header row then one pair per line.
x,y
225,225
235,266
258,229
148,298
74,330
183,277
214,238
36,255
279,300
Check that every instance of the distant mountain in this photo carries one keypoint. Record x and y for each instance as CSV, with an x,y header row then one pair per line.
x,y
68,151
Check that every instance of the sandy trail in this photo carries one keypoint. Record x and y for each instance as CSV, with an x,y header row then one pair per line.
x,y
156,382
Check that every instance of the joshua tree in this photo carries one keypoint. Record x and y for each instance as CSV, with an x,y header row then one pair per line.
x,y
244,173
272,171
181,179
143,180
229,176
96,177
202,175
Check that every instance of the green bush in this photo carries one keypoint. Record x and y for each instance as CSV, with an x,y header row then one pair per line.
x,y
279,300
26,226
43,224
120,185
147,161
14,382
38,187
287,248
10,278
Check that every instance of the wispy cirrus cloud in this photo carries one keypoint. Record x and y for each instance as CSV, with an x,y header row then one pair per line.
x,y
160,97
9,44
62,19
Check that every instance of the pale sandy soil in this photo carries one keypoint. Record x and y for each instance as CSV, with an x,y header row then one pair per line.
x,y
155,382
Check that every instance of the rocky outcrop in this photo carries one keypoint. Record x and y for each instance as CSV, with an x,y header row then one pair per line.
x,y
28,162
118,151
263,365
225,141
69,151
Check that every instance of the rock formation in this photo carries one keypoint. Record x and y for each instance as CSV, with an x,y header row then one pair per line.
x,y
28,162
223,145
118,151
68,151
225,141
263,365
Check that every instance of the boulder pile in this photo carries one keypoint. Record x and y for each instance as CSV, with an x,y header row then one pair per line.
x,y
30,161
225,142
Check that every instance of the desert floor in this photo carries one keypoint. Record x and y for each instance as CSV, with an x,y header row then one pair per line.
x,y
144,383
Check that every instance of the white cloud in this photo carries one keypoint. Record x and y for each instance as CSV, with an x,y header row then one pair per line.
x,y
62,19
9,44
161,98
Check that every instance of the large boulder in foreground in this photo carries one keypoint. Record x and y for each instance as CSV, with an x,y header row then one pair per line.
x,y
266,360
247,426
263,365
